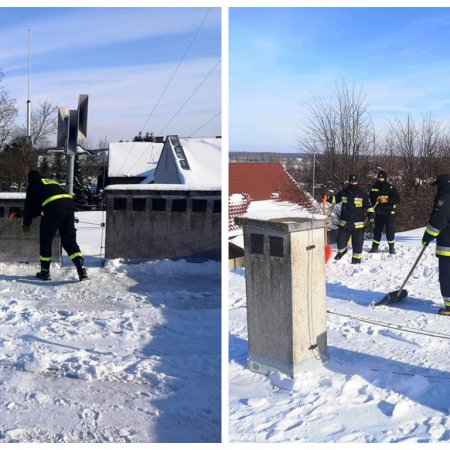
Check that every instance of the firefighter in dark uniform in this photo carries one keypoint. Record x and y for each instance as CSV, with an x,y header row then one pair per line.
x,y
384,198
355,203
47,199
438,227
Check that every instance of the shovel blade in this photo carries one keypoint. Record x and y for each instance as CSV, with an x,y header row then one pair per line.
x,y
392,297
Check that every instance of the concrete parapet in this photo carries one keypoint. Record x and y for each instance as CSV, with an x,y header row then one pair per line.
x,y
15,245
162,221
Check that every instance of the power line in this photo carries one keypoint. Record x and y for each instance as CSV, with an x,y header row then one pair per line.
x,y
190,96
170,80
176,69
206,123
179,109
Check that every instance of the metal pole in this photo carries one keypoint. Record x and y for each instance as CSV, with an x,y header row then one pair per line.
x,y
70,162
70,169
29,101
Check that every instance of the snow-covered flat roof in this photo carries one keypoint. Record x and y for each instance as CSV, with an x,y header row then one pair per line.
x,y
12,195
133,159
160,187
204,158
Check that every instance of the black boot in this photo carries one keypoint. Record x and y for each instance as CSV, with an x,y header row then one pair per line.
x,y
391,249
444,311
81,270
44,274
340,254
374,249
356,260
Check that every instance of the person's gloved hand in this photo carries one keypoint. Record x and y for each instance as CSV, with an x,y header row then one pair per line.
x,y
26,228
426,239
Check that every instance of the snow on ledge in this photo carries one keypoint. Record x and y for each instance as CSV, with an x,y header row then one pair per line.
x,y
13,195
161,187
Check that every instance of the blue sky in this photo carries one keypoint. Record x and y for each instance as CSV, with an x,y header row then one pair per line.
x,y
281,58
123,59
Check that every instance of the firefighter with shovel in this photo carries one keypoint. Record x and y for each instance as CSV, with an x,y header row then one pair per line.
x,y
438,227
47,199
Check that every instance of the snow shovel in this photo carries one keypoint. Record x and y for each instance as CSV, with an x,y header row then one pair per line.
x,y
395,296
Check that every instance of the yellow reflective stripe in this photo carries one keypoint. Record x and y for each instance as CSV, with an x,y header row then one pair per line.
x,y
49,181
443,251
376,242
370,210
447,302
359,224
391,242
55,197
75,255
357,255
333,201
374,189
342,250
45,258
431,230
358,204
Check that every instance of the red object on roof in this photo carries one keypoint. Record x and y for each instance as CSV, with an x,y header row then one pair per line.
x,y
261,181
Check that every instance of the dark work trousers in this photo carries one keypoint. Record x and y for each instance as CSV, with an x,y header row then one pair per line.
x,y
62,220
357,240
444,278
381,221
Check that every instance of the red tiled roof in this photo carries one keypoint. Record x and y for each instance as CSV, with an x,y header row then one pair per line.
x,y
261,181
237,209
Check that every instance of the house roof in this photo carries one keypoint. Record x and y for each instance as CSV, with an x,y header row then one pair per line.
x,y
133,159
204,159
262,181
250,182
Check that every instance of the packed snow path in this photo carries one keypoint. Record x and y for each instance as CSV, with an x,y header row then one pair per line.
x,y
380,384
131,355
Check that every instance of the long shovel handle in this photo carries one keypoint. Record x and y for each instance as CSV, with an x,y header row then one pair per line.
x,y
412,268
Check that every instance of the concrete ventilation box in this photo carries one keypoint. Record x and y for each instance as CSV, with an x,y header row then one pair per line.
x,y
162,221
15,245
286,296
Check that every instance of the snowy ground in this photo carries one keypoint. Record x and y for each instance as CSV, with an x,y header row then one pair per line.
x,y
132,355
381,384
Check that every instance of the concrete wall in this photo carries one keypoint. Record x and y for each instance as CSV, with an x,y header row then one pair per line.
x,y
153,224
286,299
15,245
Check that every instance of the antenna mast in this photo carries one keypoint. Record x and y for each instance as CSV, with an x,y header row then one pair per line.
x,y
29,101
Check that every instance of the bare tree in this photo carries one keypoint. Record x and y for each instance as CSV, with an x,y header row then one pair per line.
x,y
16,161
43,125
341,130
8,113
402,139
